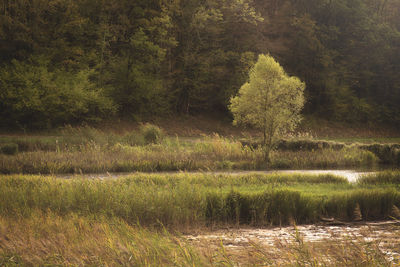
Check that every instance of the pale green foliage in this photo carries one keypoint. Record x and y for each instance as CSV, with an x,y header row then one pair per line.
x,y
271,101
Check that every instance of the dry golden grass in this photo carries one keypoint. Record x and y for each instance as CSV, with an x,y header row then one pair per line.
x,y
211,153
51,240
78,241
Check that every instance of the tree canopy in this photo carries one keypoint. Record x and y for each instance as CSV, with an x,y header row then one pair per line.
x,y
271,101
144,58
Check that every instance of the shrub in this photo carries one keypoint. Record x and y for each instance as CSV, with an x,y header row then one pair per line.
x,y
151,134
9,149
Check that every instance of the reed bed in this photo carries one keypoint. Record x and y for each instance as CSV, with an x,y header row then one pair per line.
x,y
184,202
46,220
325,158
89,150
211,153
385,177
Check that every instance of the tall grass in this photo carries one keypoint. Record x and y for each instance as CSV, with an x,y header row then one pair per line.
x,y
212,153
113,222
181,203
325,158
72,139
89,150
51,240
386,177
388,153
47,239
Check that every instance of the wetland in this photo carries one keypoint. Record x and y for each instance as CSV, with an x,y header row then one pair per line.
x,y
201,201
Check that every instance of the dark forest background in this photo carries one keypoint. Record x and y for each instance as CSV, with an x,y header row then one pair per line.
x,y
68,61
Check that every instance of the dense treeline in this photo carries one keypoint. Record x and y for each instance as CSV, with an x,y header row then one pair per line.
x,y
64,61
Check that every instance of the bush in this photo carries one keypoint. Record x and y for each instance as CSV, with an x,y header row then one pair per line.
x,y
9,149
151,134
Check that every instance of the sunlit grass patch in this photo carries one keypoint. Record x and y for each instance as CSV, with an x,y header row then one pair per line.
x,y
188,201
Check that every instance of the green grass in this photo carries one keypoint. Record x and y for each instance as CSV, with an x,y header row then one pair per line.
x,y
73,139
389,178
349,157
186,201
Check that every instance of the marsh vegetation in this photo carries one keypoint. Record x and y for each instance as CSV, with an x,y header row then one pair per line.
x,y
88,221
69,218
87,150
111,190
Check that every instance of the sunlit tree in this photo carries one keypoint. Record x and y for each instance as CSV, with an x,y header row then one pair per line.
x,y
271,101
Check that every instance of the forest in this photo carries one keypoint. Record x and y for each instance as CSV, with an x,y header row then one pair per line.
x,y
67,62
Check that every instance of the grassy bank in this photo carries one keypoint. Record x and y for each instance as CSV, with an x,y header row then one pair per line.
x,y
186,201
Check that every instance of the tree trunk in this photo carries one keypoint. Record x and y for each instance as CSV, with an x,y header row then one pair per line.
x,y
266,151
267,145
